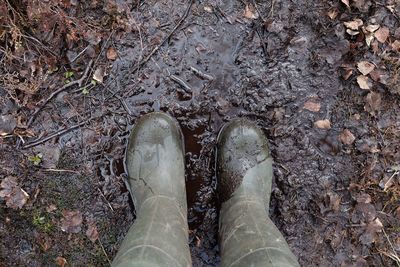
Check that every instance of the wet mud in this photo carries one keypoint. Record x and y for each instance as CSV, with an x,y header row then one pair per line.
x,y
217,66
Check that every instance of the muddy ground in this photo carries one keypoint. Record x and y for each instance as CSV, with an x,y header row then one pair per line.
x,y
284,64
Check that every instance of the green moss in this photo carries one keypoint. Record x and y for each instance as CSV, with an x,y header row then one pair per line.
x,y
42,222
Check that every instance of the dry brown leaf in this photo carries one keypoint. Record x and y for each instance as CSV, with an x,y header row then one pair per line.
x,y
112,53
363,82
354,24
382,34
208,9
346,2
365,67
313,106
250,12
60,261
332,14
14,195
322,124
369,38
71,223
92,232
351,32
372,27
347,73
99,75
346,137
395,45
374,101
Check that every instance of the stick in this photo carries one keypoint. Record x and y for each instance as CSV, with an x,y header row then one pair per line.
x,y
185,87
44,102
58,133
202,75
155,49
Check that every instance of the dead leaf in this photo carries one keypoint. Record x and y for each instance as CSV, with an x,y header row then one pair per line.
x,y
365,67
387,181
7,124
312,106
354,24
60,261
363,198
112,53
322,124
92,232
351,32
208,9
363,82
332,14
395,45
347,73
370,234
369,38
71,223
346,137
334,201
346,2
51,208
99,75
14,195
372,27
250,12
382,34
374,101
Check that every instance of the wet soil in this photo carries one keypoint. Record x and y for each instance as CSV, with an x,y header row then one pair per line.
x,y
264,69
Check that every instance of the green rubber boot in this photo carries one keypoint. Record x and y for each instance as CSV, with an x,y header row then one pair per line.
x,y
155,165
247,236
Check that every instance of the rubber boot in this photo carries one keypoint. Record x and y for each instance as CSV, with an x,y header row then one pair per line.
x,y
155,164
247,236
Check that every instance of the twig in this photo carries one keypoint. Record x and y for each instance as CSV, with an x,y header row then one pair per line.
x,y
104,251
101,193
155,49
44,102
60,170
58,133
202,75
179,81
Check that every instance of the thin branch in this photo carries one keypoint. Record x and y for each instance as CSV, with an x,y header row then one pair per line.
x,y
44,102
56,134
155,49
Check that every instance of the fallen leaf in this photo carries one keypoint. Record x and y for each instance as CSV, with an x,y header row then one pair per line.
x,y
98,75
71,223
374,101
372,27
370,234
347,73
363,198
312,106
363,82
7,124
382,34
346,137
322,124
354,24
351,32
92,232
112,53
60,261
250,13
14,195
208,9
346,2
369,38
332,14
51,208
395,45
387,181
334,201
365,67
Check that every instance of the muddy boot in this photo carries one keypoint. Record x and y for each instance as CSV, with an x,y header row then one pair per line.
x,y
155,165
247,236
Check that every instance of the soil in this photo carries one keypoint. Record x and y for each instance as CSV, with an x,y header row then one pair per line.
x,y
336,200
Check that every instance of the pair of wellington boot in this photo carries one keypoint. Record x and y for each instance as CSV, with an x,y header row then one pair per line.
x,y
156,170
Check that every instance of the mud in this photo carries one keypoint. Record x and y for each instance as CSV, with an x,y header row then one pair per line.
x,y
264,70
